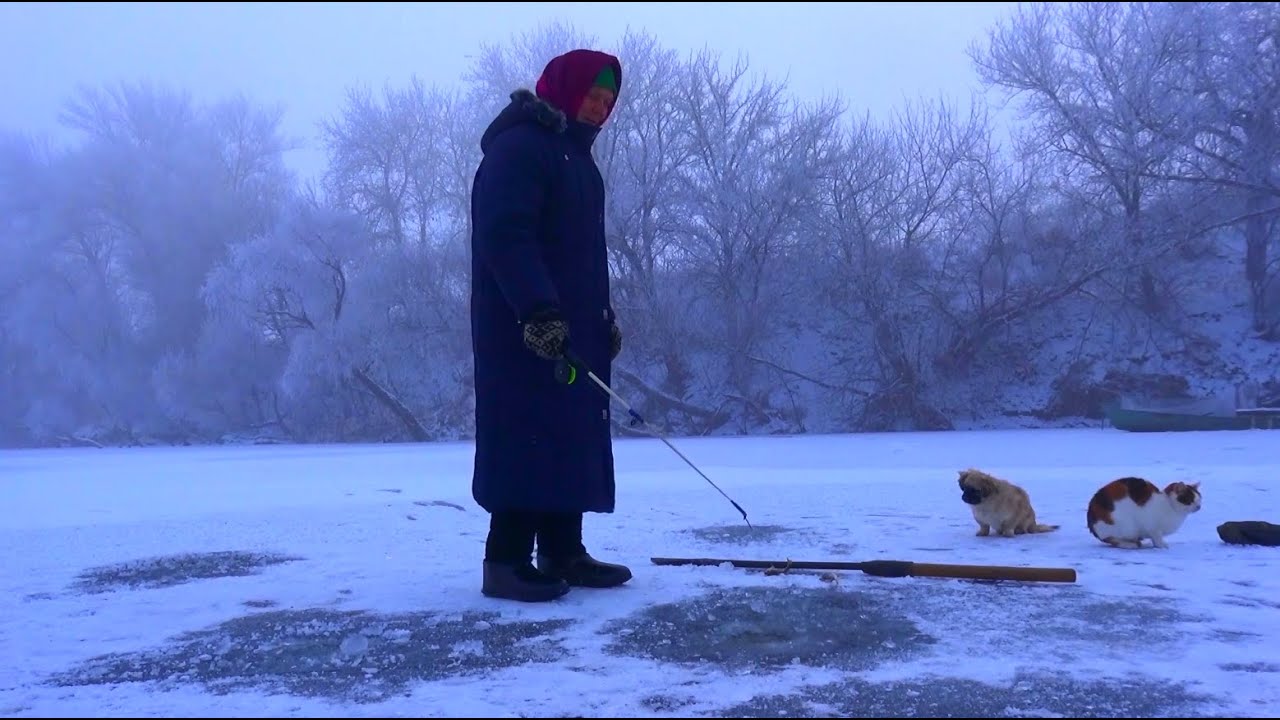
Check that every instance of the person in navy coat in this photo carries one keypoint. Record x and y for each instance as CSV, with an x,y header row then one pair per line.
x,y
540,284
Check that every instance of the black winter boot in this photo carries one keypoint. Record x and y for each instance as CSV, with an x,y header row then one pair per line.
x,y
584,571
508,573
562,555
520,582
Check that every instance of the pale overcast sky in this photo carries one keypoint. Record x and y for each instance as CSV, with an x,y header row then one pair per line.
x,y
305,55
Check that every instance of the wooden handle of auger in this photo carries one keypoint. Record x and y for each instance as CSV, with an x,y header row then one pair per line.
x,y
993,572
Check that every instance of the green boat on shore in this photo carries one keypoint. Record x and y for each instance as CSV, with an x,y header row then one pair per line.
x,y
1193,416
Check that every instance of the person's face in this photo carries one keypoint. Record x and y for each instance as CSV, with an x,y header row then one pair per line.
x,y
596,105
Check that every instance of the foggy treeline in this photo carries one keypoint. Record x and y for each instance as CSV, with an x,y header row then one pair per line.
x,y
778,266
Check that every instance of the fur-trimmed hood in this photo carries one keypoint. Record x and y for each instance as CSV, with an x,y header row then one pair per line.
x,y
527,107
524,107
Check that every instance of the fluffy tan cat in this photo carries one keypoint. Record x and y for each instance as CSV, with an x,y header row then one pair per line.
x,y
999,504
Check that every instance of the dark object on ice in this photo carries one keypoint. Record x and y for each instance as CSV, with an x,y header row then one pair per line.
x,y
893,568
1250,532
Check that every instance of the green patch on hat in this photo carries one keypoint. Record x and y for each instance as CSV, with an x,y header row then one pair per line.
x,y
606,79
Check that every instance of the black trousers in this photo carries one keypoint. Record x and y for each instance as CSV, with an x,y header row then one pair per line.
x,y
512,535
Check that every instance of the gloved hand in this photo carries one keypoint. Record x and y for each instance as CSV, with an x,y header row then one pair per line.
x,y
546,334
615,339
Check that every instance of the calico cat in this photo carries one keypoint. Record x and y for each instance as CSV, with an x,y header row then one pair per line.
x,y
1124,512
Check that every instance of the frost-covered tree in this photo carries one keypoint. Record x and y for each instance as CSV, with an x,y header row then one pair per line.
x,y
1090,76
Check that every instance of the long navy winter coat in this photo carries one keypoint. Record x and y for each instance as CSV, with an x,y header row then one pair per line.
x,y
538,240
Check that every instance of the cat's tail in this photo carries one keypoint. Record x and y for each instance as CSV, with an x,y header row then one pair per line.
x,y
1042,528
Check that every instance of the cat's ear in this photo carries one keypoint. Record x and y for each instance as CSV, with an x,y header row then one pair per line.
x,y
1196,485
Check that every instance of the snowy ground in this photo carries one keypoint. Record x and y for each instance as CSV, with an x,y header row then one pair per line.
x,y
344,581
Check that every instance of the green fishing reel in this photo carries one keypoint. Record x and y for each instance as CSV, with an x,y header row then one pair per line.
x,y
566,373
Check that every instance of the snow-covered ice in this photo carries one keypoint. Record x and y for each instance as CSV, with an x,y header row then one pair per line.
x,y
344,581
